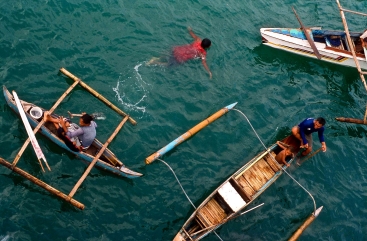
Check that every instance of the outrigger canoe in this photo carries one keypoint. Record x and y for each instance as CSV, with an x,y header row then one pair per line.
x,y
108,161
236,193
332,45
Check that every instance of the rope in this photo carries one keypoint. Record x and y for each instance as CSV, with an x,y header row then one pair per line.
x,y
184,191
314,203
178,182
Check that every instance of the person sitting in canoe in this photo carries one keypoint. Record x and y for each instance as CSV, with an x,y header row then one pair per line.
x,y
287,151
85,134
304,130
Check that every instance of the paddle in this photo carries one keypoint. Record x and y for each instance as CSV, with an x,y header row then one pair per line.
x,y
96,116
302,160
309,39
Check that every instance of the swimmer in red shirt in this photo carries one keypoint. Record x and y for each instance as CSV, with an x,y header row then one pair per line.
x,y
183,53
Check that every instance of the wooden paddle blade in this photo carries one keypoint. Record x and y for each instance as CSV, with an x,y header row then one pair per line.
x,y
308,37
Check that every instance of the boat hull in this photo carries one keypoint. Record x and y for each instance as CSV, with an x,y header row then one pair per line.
x,y
236,193
280,38
119,169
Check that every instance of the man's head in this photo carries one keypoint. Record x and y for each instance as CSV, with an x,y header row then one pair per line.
x,y
319,122
85,120
205,43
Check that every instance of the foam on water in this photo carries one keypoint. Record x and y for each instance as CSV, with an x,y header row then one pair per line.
x,y
136,84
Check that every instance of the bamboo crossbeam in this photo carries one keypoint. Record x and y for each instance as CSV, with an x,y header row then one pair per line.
x,y
350,11
351,120
42,122
96,94
42,184
350,43
77,185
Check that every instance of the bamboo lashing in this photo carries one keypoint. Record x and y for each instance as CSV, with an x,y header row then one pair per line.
x,y
77,185
308,221
42,184
16,159
189,134
96,94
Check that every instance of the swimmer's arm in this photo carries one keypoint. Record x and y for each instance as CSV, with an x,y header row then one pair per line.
x,y
192,34
206,67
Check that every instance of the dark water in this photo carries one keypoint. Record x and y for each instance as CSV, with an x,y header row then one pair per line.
x,y
107,43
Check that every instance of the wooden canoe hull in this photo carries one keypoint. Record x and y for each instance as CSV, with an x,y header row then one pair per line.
x,y
236,193
293,40
117,168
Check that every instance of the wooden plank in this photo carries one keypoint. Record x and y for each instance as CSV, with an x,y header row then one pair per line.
x,y
212,213
272,163
245,186
259,174
251,178
16,159
265,168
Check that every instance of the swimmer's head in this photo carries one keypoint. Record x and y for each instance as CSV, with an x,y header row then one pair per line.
x,y
206,43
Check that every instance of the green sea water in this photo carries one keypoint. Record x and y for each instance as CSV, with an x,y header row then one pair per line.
x,y
106,44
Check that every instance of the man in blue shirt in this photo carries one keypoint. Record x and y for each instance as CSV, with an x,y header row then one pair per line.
x,y
304,130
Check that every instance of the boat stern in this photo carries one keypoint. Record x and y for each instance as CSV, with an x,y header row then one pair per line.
x,y
179,237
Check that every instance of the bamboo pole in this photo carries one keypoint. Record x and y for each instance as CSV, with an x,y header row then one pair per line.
x,y
308,37
308,156
96,94
77,185
42,184
350,11
188,134
42,122
308,221
351,120
351,45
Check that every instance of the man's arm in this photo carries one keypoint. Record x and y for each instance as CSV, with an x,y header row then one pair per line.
x,y
192,34
206,67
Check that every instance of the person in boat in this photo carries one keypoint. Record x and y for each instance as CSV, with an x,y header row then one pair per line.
x,y
85,133
281,157
304,130
183,53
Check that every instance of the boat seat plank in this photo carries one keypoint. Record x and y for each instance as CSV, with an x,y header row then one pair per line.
x,y
265,168
245,186
245,196
272,162
211,213
231,197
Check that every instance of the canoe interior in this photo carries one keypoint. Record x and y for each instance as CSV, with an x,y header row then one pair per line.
x,y
94,148
236,193
331,38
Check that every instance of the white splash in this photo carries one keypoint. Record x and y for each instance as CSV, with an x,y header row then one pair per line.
x,y
132,86
6,238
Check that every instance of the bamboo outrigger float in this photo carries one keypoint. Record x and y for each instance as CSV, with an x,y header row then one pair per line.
x,y
189,133
103,158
